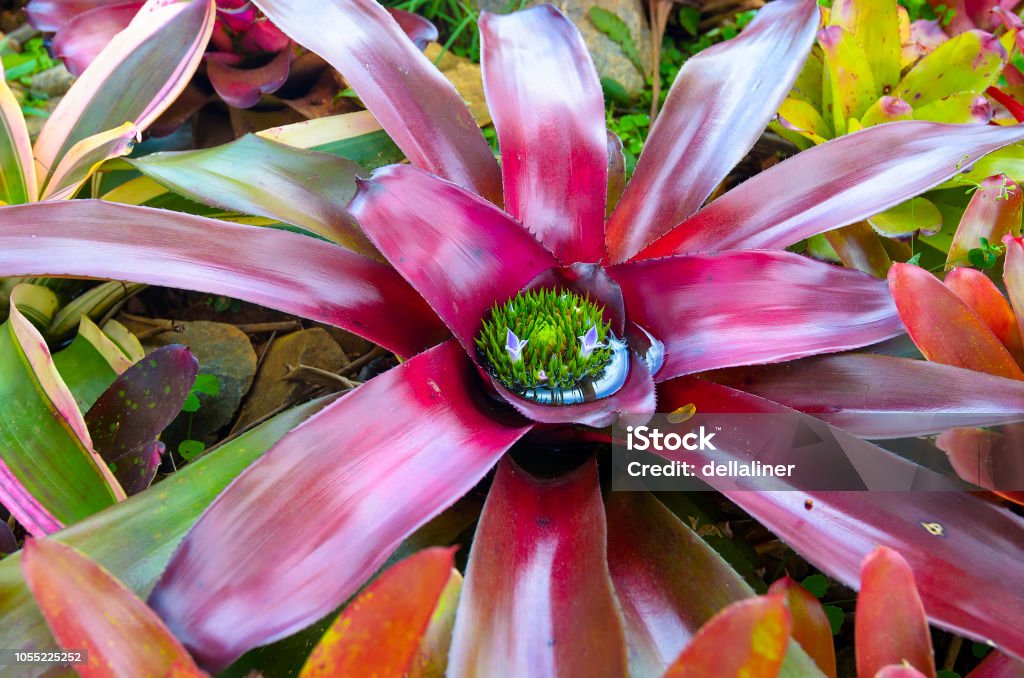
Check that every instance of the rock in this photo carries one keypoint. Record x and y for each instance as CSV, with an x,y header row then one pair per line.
x,y
610,60
313,347
22,32
54,82
466,77
353,345
224,351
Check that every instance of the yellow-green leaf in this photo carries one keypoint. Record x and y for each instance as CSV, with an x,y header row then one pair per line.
x,y
808,85
852,84
887,109
960,108
914,216
970,62
875,26
804,119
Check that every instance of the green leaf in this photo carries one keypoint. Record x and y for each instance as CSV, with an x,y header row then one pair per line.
x,y
190,449
817,584
208,384
689,19
874,24
617,31
17,166
134,539
917,215
836,616
809,84
956,109
90,364
191,403
257,176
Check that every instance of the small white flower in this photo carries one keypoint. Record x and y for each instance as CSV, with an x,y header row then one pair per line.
x,y
514,346
589,342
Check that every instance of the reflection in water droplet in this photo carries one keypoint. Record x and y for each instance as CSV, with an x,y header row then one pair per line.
x,y
610,380
646,346
655,355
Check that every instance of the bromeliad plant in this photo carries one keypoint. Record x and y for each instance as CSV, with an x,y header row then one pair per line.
x,y
249,55
965,321
85,432
683,289
131,82
871,66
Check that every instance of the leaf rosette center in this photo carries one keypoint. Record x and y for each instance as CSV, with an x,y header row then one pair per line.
x,y
545,339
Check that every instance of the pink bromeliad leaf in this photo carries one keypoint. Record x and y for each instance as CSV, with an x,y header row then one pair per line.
x,y
836,183
88,609
983,297
81,39
998,665
899,671
421,31
415,440
961,548
1013,276
244,87
879,396
739,308
548,107
418,106
282,270
944,327
463,255
537,575
716,110
49,15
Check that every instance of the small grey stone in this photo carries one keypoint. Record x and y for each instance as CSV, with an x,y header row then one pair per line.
x,y
54,82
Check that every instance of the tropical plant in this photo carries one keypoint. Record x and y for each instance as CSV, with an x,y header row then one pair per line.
x,y
965,321
85,434
249,55
308,522
892,635
130,83
872,66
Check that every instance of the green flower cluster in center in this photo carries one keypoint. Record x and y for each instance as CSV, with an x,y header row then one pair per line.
x,y
545,339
